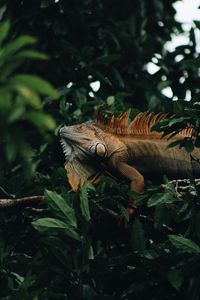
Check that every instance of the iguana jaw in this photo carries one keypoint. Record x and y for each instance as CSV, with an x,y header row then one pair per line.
x,y
67,149
72,143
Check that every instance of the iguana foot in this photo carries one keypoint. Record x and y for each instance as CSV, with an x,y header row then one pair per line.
x,y
122,219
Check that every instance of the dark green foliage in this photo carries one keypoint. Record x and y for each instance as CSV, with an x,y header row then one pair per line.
x,y
71,246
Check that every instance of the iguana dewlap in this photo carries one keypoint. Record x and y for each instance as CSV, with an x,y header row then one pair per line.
x,y
131,151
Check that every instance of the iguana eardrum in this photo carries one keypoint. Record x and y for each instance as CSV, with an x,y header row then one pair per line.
x,y
131,151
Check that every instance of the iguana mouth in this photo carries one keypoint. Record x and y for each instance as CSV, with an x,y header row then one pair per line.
x,y
67,150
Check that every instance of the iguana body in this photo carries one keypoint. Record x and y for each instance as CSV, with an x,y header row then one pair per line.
x,y
131,151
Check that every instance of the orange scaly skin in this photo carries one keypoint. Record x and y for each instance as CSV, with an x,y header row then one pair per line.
x,y
131,151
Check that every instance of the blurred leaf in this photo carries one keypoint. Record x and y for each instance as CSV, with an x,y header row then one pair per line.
x,y
88,292
104,59
110,100
41,120
46,3
4,29
16,114
175,278
24,54
35,83
191,63
15,45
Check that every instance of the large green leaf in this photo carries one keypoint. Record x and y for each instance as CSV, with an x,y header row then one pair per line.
x,y
60,207
33,54
84,203
14,46
35,83
165,197
41,120
184,244
54,225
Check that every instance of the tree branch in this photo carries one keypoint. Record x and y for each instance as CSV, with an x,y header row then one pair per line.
x,y
20,202
180,184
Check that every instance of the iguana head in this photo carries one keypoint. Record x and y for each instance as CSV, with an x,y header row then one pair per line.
x,y
86,149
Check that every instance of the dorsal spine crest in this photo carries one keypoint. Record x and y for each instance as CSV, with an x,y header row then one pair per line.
x,y
140,126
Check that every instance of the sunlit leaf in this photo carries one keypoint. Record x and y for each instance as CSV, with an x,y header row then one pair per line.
x,y
15,45
36,84
32,54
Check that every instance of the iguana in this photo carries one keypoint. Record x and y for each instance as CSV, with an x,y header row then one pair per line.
x,y
126,149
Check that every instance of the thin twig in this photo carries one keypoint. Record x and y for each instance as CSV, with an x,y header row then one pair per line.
x,y
152,221
108,211
37,210
116,215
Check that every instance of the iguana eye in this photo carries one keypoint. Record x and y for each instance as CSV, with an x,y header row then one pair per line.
x,y
99,149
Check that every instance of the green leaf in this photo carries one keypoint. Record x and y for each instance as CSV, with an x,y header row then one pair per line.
x,y
35,83
174,144
16,114
175,278
30,54
105,59
15,45
184,244
84,203
29,96
157,199
41,120
177,120
189,147
46,224
60,207
4,29
46,3
88,292
123,211
138,236
191,63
